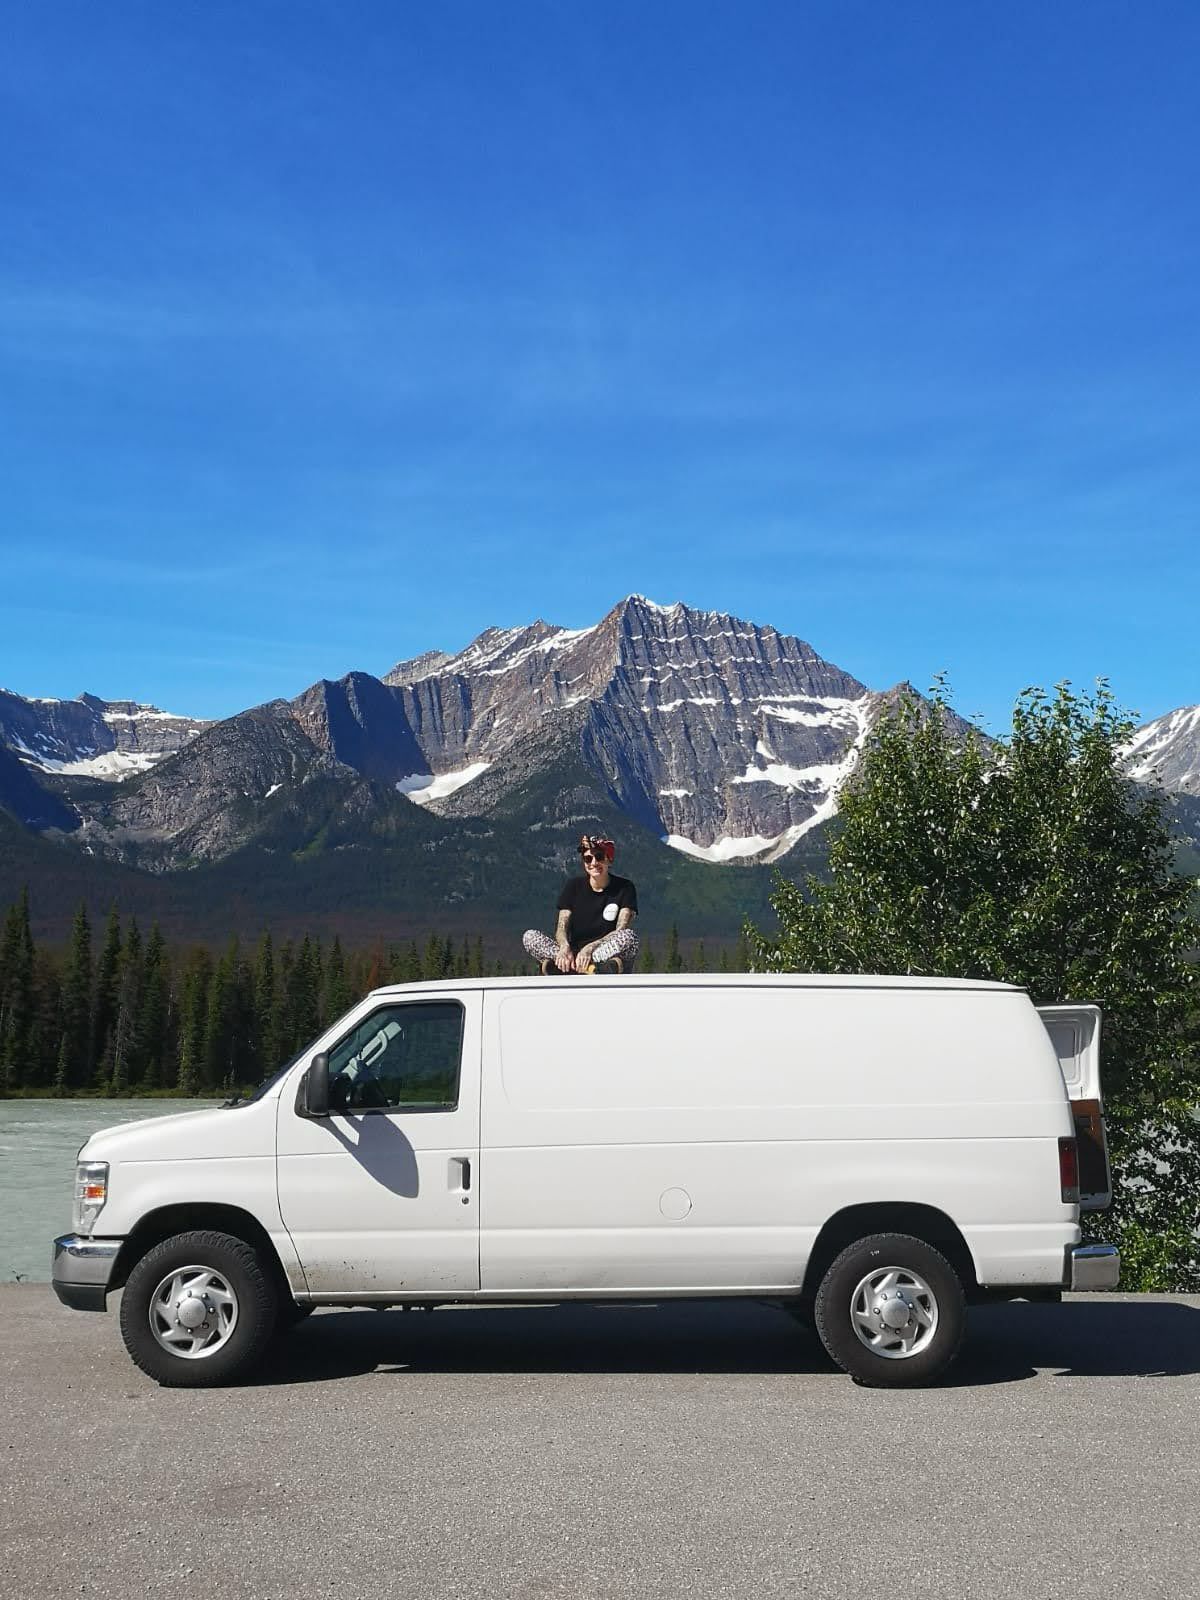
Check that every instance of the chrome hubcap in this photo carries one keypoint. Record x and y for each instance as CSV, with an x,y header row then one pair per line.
x,y
894,1312
193,1312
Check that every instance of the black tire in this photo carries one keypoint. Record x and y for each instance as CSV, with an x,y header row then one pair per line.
x,y
933,1350
249,1282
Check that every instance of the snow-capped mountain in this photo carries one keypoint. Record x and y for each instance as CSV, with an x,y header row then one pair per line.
x,y
726,738
1168,749
90,737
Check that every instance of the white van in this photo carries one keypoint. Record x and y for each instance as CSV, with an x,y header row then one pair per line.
x,y
874,1151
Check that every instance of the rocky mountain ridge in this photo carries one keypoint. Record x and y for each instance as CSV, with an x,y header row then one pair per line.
x,y
725,740
1168,749
89,737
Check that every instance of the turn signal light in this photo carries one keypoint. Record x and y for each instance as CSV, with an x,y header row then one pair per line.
x,y
1068,1171
91,1191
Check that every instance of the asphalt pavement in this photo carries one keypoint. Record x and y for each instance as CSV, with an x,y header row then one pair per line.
x,y
687,1449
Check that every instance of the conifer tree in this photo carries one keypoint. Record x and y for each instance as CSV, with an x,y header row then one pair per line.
x,y
62,1066
304,997
122,1064
104,999
436,958
221,1022
265,1017
408,968
151,1022
74,1060
16,996
285,1044
193,1012
338,998
647,960
673,959
46,1029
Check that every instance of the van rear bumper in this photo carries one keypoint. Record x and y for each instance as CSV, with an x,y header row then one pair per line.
x,y
1092,1266
81,1270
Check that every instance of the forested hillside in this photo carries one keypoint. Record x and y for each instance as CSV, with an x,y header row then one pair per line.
x,y
118,1011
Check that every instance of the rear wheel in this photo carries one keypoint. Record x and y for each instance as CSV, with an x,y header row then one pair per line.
x,y
891,1311
198,1309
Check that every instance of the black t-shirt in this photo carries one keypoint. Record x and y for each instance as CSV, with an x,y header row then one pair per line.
x,y
593,915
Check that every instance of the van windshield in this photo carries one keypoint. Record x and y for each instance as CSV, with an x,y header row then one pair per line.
x,y
264,1086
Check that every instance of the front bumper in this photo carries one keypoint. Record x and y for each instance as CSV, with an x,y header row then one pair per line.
x,y
1092,1266
81,1270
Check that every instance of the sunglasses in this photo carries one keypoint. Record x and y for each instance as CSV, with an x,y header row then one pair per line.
x,y
588,859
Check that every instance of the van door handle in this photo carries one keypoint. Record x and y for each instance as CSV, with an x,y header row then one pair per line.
x,y
463,1163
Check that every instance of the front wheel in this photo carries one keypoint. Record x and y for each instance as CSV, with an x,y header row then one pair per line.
x,y
198,1309
891,1311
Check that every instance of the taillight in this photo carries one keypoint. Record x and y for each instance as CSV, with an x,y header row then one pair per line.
x,y
1068,1171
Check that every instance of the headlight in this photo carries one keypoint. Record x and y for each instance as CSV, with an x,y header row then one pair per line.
x,y
91,1191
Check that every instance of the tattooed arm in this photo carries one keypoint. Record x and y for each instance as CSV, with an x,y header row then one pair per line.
x,y
564,960
625,917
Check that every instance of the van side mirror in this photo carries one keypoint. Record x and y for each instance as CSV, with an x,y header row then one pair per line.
x,y
316,1087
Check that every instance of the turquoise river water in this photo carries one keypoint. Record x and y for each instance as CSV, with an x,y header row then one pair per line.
x,y
38,1142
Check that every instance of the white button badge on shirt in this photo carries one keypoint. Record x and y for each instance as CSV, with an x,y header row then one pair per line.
x,y
610,911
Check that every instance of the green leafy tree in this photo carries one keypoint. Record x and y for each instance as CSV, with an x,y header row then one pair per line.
x,y
1032,861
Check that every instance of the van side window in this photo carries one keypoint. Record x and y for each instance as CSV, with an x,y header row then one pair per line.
x,y
402,1058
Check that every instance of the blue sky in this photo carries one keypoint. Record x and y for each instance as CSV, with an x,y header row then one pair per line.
x,y
333,333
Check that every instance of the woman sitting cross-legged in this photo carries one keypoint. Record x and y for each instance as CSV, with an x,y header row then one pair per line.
x,y
595,918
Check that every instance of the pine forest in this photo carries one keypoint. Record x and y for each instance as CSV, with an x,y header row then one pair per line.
x,y
120,1012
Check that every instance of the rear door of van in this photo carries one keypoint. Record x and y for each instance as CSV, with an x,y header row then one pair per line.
x,y
1075,1033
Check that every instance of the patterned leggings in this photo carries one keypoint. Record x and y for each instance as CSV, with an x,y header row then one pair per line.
x,y
622,942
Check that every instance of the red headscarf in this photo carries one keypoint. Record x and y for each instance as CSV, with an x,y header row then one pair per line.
x,y
605,849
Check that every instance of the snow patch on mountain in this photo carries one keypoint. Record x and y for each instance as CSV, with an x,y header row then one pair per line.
x,y
1167,750
722,850
111,765
422,787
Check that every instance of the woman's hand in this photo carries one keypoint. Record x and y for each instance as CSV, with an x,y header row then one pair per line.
x,y
584,959
564,960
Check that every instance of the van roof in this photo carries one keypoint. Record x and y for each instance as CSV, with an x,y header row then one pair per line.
x,y
706,980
